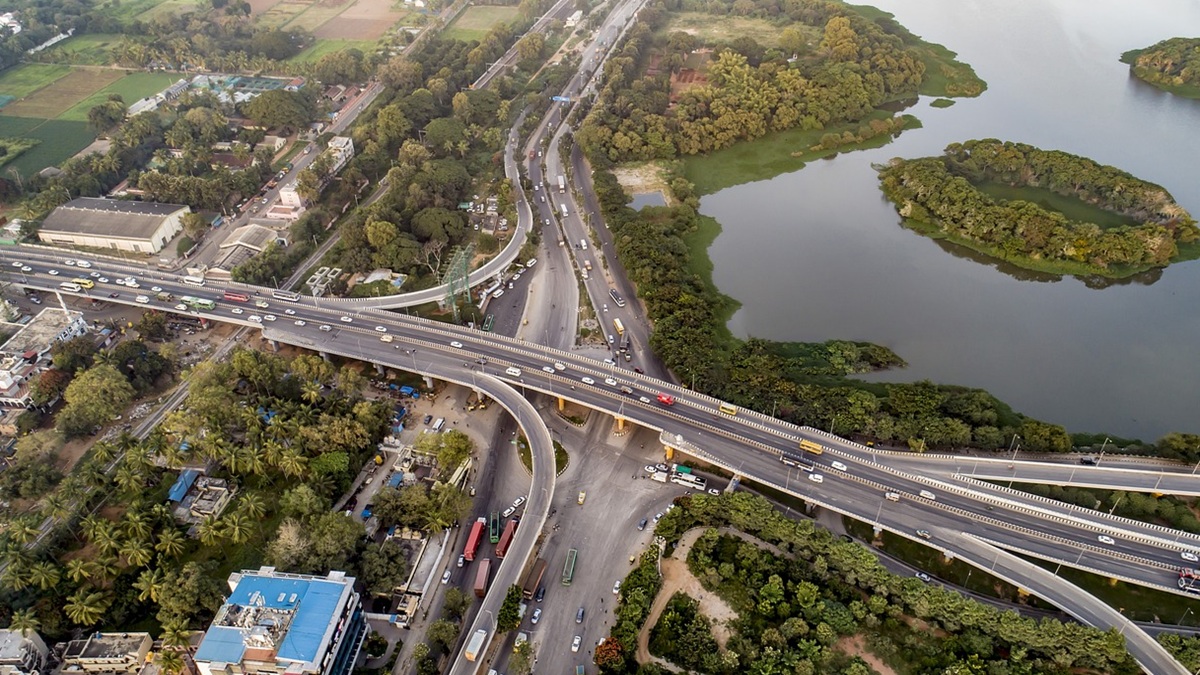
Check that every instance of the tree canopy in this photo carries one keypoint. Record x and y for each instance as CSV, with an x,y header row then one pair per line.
x,y
1172,64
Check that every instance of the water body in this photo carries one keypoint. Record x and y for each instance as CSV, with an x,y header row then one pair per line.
x,y
643,199
819,254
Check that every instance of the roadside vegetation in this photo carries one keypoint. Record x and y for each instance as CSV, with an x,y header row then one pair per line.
x,y
1171,65
942,195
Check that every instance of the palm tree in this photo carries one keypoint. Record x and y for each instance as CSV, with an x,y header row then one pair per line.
x,y
170,543
311,392
170,661
136,525
252,505
87,605
44,575
129,478
22,532
176,634
210,531
105,538
137,552
24,621
150,584
106,567
237,528
79,570
56,506
15,577
292,463
90,524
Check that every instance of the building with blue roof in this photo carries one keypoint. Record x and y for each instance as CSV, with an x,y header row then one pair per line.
x,y
274,623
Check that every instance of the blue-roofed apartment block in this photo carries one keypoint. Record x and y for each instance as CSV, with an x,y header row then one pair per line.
x,y
274,623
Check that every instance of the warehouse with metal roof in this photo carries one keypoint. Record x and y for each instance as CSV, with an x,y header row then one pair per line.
x,y
139,227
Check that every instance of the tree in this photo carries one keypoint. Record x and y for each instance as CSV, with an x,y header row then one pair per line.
x,y
335,540
87,606
170,543
49,386
455,603
383,568
44,575
94,398
24,621
531,46
509,618
188,593
521,662
74,354
442,634
153,326
236,527
149,584
280,109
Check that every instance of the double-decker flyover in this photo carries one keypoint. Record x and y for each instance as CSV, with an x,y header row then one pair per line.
x,y
965,519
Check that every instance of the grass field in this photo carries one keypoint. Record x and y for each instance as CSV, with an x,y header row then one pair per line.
x,y
54,100
476,21
127,10
282,12
23,80
132,87
320,48
711,30
60,139
86,50
316,14
169,7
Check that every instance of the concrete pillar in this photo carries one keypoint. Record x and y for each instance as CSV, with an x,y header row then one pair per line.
x,y
324,356
478,394
274,344
379,369
562,404
428,382
669,451
620,424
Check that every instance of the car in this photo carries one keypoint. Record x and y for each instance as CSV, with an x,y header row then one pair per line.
x,y
269,317
182,308
300,322
456,345
131,283
643,399
289,312
581,498
446,576
541,594
1105,539
462,560
17,264
838,465
610,362
639,371
611,340
587,380
103,280
380,329
255,318
326,327
610,382
114,295
518,501
924,534
83,263
156,289
499,292
816,478
537,616
650,468
617,588
52,273
575,643
508,512
642,524
26,268
658,516
532,261
1189,556
69,263
662,467
94,274
238,310
714,491
345,319
559,366
548,369
428,419
120,282
579,616
666,399
923,577
606,308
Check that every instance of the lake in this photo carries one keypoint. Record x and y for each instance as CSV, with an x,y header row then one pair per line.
x,y
819,254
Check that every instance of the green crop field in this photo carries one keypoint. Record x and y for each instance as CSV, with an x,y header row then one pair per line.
x,y
86,50
128,10
25,79
476,21
60,140
51,101
322,47
131,88
170,7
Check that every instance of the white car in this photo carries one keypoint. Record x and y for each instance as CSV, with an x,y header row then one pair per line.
x,y
650,468
380,329
816,478
16,264
69,263
559,366
714,491
610,382
508,512
156,289
838,465
103,280
658,516
548,369
289,312
182,308
518,501
446,576
1189,556
238,310
83,263
462,560
516,277
575,643
617,588
301,322
587,380
457,345
643,399
537,616
255,318
119,282
269,317
94,274
346,319
1105,539
326,327
53,273
26,268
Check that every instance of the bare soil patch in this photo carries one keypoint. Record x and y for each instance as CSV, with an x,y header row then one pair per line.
x,y
642,178
258,7
57,98
364,20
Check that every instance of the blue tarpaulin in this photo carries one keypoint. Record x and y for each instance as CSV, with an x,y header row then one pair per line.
x,y
184,483
396,479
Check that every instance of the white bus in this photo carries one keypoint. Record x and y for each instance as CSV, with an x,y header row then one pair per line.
x,y
689,481
563,207
288,296
194,281
70,286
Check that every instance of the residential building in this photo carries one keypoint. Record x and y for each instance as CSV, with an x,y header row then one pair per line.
x,y
107,654
22,653
140,227
51,325
198,496
341,150
274,623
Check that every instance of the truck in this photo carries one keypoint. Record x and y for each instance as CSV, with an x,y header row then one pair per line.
x,y
164,297
474,538
482,576
475,645
679,468
534,579
562,183
506,539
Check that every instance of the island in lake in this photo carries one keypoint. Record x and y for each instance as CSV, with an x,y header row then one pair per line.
x,y
1171,65
1044,210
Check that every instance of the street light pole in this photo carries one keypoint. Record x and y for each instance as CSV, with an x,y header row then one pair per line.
x,y
1107,440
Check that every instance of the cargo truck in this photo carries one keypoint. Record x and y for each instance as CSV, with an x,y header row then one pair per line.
x,y
475,645
506,539
562,183
534,579
474,538
482,577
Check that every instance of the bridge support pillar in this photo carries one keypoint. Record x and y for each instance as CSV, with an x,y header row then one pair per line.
x,y
428,382
562,404
324,355
620,424
669,451
379,369
274,344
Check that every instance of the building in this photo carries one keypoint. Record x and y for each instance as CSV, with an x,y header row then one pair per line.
x,y
275,623
34,340
22,653
197,496
341,151
140,227
241,245
107,654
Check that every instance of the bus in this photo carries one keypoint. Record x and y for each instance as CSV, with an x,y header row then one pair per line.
x,y
617,298
85,283
487,293
236,296
70,286
727,409
619,326
488,322
797,460
194,281
494,528
287,296
197,303
814,448
569,567
563,208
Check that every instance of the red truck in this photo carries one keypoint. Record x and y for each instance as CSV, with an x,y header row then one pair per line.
x,y
474,538
506,538
482,577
